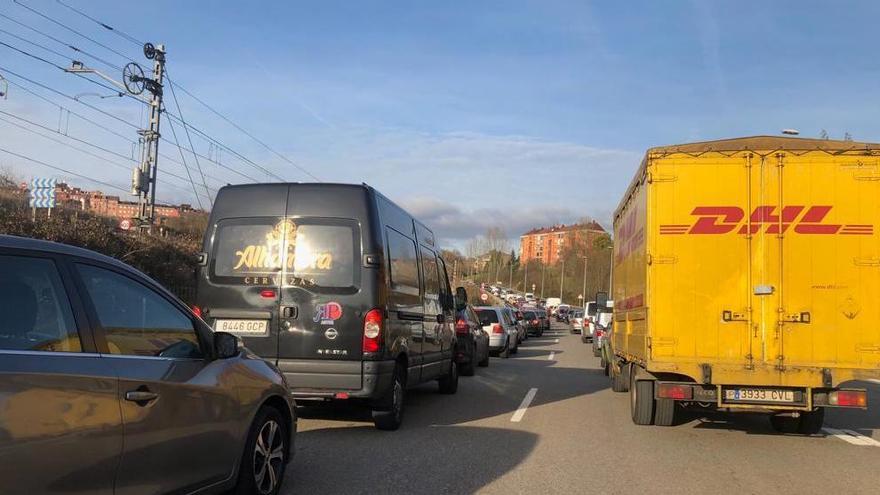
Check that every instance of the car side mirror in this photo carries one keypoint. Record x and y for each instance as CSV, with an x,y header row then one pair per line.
x,y
225,345
461,298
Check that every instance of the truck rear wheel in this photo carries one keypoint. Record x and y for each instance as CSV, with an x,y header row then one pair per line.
x,y
810,423
619,379
664,412
641,401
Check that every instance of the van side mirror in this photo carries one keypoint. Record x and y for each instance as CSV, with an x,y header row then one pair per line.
x,y
461,298
225,345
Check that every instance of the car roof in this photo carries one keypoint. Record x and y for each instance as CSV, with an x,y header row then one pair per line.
x,y
16,242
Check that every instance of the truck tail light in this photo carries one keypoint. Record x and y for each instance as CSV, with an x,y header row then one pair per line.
x,y
461,326
674,391
373,330
496,328
848,398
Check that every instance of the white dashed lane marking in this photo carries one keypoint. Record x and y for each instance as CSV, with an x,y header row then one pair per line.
x,y
524,406
551,356
852,437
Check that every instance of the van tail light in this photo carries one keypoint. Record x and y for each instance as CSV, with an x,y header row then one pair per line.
x,y
676,391
461,326
599,333
196,310
267,294
848,398
534,322
496,328
373,330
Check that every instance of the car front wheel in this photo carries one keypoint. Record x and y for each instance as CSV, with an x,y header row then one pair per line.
x,y
265,455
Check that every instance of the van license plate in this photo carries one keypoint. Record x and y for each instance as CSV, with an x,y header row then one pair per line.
x,y
758,395
243,327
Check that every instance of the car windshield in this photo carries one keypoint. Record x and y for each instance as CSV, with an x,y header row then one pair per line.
x,y
529,315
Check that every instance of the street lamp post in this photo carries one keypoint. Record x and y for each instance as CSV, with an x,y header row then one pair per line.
x,y
584,291
543,269
525,277
562,281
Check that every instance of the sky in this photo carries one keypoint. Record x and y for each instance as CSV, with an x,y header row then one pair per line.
x,y
469,114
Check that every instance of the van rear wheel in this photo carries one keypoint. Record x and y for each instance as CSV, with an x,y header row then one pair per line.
x,y
388,415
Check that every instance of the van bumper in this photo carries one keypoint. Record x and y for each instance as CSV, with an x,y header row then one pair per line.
x,y
332,379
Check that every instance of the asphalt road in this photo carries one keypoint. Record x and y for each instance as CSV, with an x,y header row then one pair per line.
x,y
575,436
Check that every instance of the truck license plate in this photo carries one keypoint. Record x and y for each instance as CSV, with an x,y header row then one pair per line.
x,y
242,327
759,395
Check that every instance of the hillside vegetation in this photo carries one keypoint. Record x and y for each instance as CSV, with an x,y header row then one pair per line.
x,y
169,259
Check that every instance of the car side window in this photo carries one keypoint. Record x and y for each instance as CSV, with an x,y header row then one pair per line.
x,y
138,321
404,269
36,311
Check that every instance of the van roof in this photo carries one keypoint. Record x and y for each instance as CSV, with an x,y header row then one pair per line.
x,y
760,145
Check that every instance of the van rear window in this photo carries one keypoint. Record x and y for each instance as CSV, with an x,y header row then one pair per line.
x,y
311,252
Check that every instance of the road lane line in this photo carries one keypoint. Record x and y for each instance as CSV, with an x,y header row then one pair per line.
x,y
850,436
555,341
551,356
521,411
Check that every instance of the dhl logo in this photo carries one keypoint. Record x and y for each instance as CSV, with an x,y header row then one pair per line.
x,y
799,219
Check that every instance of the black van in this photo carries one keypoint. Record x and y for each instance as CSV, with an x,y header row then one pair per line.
x,y
339,287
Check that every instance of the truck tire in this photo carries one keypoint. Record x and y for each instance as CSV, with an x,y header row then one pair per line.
x,y
619,379
641,400
449,381
664,412
810,423
388,415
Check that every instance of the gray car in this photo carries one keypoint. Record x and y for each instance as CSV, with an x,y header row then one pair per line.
x,y
109,384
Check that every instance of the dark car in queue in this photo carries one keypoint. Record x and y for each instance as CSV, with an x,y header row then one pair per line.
x,y
532,322
335,284
110,384
472,343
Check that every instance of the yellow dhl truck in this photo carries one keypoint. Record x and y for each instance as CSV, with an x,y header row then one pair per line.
x,y
746,277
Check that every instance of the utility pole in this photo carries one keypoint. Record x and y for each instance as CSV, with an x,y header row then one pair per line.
x,y
510,281
143,177
145,183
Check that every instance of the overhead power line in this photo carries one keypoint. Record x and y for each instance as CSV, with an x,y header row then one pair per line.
x,y
87,143
74,31
188,174
105,26
134,40
54,167
243,131
188,137
63,43
115,117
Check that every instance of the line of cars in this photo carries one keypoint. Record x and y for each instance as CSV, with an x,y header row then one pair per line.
x,y
306,292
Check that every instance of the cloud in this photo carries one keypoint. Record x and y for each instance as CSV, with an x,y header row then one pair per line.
x,y
455,226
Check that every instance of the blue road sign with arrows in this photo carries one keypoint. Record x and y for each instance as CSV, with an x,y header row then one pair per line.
x,y
42,193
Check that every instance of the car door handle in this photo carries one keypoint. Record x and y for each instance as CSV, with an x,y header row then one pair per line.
x,y
142,397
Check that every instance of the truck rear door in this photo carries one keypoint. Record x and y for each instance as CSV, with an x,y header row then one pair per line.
x,y
823,261
699,262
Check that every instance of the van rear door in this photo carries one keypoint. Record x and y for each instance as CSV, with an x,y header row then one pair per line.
x,y
244,270
322,306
